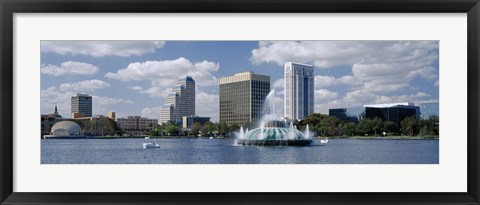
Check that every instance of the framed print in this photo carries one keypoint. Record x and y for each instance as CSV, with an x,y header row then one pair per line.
x,y
239,102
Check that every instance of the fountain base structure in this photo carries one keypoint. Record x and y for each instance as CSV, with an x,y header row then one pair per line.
x,y
274,133
275,142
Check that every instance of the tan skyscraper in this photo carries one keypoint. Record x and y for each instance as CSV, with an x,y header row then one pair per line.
x,y
242,97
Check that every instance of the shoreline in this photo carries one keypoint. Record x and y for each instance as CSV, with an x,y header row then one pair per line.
x,y
333,137
386,137
152,137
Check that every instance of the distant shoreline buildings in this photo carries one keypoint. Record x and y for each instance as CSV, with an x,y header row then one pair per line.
x,y
189,121
136,125
393,112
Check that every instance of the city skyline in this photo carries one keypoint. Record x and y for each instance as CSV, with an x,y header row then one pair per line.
x,y
134,77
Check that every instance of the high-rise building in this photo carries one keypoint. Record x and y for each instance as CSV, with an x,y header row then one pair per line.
x,y
82,103
394,112
242,97
181,102
186,89
299,98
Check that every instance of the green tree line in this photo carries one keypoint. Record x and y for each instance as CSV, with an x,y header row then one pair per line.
x,y
99,127
325,125
207,129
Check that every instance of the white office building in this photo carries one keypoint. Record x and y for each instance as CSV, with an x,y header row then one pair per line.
x,y
299,87
167,113
181,102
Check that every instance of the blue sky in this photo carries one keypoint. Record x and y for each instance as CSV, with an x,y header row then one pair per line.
x,y
133,77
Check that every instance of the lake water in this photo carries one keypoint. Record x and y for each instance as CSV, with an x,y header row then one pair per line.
x,y
223,151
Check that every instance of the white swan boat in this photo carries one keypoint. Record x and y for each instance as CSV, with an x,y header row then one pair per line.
x,y
324,141
151,145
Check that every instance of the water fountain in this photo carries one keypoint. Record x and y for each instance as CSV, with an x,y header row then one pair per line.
x,y
272,130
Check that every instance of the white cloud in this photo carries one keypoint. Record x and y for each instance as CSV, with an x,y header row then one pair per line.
x,y
87,85
156,91
437,83
371,87
325,54
428,73
324,81
166,73
323,94
416,98
207,105
101,48
349,80
98,100
103,105
69,68
319,53
151,112
136,88
328,81
391,73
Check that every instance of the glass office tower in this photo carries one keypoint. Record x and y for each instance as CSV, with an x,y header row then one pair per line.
x,y
299,98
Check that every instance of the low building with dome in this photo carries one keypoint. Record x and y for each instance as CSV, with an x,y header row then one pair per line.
x,y
65,130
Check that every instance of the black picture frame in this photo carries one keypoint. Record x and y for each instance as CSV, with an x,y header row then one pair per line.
x,y
10,7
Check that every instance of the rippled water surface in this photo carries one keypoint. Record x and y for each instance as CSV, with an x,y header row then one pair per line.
x,y
223,151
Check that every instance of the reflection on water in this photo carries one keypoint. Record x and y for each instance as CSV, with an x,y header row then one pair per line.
x,y
223,151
